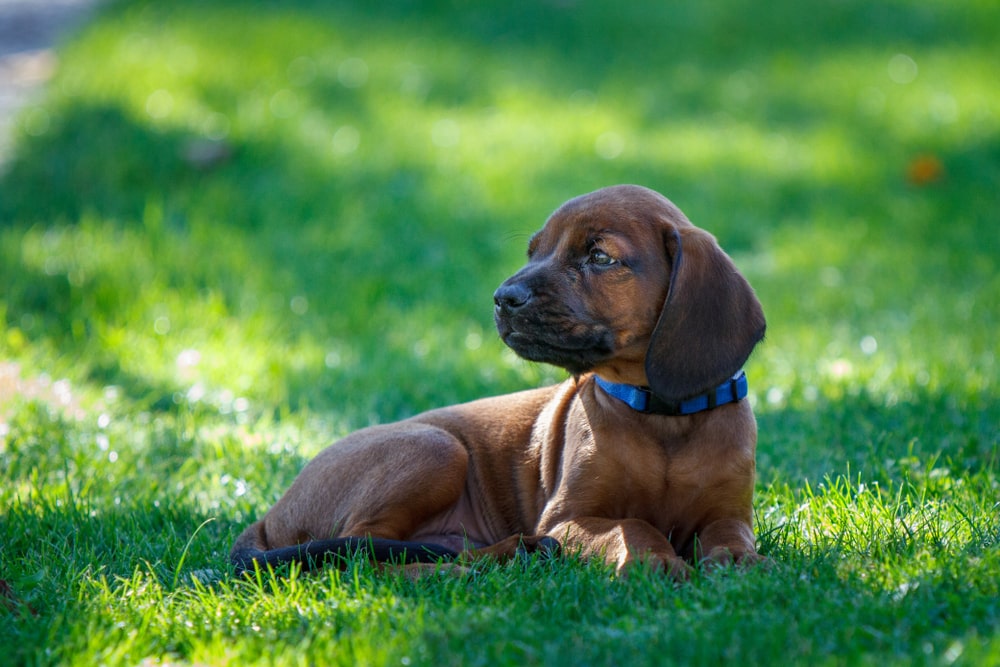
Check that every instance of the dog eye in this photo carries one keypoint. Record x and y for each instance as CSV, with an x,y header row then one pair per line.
x,y
601,258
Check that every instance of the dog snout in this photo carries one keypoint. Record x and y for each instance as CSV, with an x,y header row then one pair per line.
x,y
510,297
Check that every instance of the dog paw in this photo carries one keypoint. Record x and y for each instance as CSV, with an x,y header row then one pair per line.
x,y
755,560
544,546
722,557
672,566
424,571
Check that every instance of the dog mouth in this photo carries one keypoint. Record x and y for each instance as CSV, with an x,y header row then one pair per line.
x,y
542,320
576,351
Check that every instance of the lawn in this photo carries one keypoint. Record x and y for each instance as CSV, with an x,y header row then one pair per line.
x,y
234,231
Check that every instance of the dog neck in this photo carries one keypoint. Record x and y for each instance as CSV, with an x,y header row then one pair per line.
x,y
642,399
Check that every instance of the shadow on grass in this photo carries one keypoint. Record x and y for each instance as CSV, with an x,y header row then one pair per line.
x,y
397,249
879,439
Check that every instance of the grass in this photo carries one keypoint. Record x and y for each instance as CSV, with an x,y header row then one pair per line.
x,y
180,334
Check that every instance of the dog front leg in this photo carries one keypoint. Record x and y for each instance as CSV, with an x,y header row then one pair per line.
x,y
623,543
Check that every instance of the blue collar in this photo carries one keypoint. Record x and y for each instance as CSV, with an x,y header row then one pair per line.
x,y
641,399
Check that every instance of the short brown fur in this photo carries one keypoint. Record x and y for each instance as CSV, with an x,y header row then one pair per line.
x,y
618,284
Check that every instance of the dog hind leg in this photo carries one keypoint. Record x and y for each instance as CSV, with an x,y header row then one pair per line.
x,y
366,494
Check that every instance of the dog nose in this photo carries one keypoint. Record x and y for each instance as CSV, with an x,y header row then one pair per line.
x,y
511,297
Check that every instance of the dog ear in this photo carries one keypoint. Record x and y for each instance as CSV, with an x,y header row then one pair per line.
x,y
710,322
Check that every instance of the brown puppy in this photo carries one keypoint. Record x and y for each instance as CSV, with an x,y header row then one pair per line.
x,y
645,455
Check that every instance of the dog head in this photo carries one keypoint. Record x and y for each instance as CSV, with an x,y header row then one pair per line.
x,y
620,283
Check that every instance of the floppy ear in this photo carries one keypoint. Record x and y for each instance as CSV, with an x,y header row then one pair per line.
x,y
710,322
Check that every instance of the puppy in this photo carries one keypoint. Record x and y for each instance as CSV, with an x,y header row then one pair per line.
x,y
645,455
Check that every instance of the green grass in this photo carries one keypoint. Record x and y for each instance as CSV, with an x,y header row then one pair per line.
x,y
177,340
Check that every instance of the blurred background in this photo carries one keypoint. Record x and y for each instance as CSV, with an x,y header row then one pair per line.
x,y
268,207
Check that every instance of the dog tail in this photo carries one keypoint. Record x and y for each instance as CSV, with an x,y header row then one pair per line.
x,y
318,553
